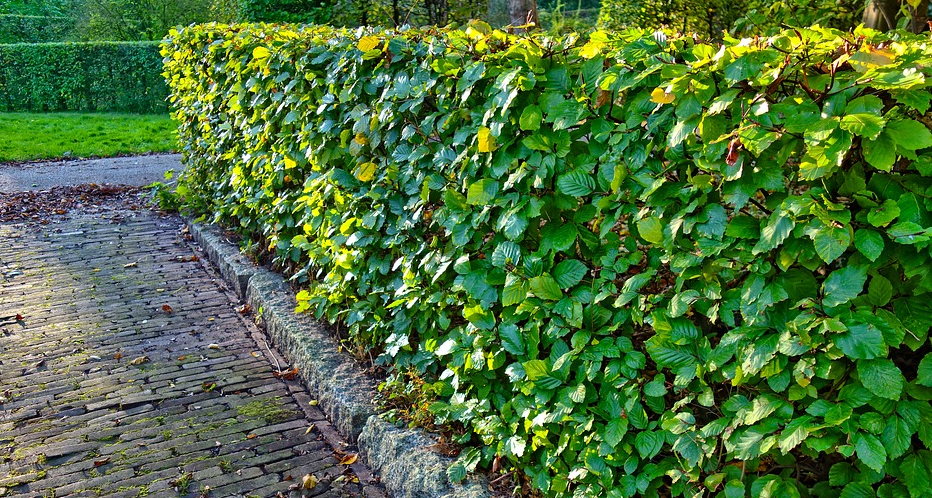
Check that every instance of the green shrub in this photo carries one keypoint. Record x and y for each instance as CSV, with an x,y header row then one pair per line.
x,y
297,11
107,76
34,29
640,265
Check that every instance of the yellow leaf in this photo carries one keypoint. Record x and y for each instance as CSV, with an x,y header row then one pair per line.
x,y
367,43
312,402
486,140
309,429
659,96
366,172
309,481
290,163
261,53
140,360
349,459
913,3
361,139
591,49
870,58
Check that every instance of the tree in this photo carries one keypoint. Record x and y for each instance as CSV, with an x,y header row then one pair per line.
x,y
884,15
523,12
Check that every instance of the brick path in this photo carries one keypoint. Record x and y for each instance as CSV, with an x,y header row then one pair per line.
x,y
132,374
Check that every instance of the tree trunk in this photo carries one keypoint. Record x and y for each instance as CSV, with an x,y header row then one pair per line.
x,y
881,14
523,12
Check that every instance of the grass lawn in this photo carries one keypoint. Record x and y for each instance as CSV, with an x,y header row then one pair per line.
x,y
26,137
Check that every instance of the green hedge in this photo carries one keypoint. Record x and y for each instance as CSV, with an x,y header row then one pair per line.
x,y
106,76
296,11
34,29
634,265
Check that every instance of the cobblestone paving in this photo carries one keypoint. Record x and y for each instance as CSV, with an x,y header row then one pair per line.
x,y
126,370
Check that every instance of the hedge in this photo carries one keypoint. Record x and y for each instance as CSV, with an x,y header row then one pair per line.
x,y
634,265
34,29
296,11
106,76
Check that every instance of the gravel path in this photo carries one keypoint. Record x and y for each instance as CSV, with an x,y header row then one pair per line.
x,y
134,170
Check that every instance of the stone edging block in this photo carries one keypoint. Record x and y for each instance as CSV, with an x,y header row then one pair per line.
x,y
402,457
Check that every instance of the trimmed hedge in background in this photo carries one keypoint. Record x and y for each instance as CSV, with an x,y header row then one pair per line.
x,y
638,265
34,29
107,76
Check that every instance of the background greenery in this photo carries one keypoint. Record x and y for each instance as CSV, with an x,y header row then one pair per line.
x,y
633,264
101,76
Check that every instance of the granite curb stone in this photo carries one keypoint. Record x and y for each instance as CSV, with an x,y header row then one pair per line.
x,y
403,457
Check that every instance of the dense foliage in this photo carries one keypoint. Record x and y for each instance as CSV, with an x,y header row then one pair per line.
x,y
295,11
34,29
711,18
82,77
633,265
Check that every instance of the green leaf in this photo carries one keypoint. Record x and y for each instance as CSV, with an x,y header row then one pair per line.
x,y
915,475
880,291
515,445
882,378
880,153
559,237
915,312
777,230
482,192
655,388
924,375
545,287
831,242
883,214
481,318
743,227
506,253
843,285
569,273
896,436
651,230
868,126
649,443
530,118
735,489
515,293
511,339
794,433
576,183
910,134
456,472
535,369
869,243
857,490
615,431
861,341
870,450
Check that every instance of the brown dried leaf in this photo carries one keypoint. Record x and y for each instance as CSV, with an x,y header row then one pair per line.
x,y
252,436
139,360
183,357
166,308
102,461
349,459
117,356
289,374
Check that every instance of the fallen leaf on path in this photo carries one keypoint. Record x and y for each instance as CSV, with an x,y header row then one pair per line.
x,y
130,265
213,346
313,402
38,363
349,459
288,477
103,461
19,317
252,436
166,308
244,309
117,356
309,481
208,386
309,429
289,374
139,360
256,354
183,357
